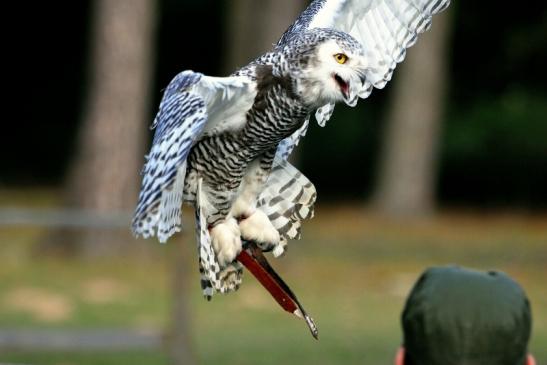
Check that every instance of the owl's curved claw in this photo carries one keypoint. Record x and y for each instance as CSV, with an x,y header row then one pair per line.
x,y
258,228
226,240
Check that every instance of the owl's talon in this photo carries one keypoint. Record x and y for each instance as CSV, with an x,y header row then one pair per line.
x,y
226,240
258,228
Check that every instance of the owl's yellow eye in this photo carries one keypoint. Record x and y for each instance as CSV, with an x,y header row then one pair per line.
x,y
341,58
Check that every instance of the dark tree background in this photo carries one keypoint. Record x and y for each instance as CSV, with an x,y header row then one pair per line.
x,y
493,149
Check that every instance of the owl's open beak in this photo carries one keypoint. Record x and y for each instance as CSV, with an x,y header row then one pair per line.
x,y
255,261
343,85
348,90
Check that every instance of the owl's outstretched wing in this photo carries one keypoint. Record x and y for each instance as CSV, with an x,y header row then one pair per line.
x,y
385,28
193,104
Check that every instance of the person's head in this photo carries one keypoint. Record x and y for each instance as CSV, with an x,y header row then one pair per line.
x,y
456,316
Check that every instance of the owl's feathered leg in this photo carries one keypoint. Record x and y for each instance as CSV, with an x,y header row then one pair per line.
x,y
258,228
226,240
223,227
254,224
217,274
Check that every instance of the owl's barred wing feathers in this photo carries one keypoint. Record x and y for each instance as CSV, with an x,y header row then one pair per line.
x,y
180,119
385,28
192,105
287,199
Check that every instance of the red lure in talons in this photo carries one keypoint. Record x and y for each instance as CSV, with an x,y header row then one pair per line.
x,y
254,260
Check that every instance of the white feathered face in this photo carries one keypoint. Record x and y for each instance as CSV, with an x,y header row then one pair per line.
x,y
335,74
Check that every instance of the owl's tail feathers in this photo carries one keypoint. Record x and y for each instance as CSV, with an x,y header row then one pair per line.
x,y
213,278
287,199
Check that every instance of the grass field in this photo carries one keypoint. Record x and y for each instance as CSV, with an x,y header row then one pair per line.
x,y
352,272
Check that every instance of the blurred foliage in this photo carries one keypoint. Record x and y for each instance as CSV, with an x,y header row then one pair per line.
x,y
493,150
345,152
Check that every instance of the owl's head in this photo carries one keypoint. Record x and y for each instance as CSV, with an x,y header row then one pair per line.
x,y
331,68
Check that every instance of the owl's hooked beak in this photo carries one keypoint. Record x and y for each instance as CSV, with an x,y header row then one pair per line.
x,y
343,84
349,89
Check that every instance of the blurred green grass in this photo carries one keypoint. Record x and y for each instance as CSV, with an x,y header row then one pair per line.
x,y
352,272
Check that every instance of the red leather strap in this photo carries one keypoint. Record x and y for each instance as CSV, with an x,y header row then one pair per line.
x,y
254,260
268,282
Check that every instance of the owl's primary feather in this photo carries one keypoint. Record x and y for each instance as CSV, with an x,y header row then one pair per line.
x,y
221,144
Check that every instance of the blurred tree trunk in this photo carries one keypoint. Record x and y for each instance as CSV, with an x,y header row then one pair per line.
x,y
180,342
408,164
255,26
104,176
